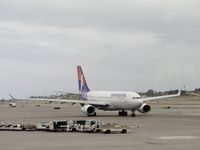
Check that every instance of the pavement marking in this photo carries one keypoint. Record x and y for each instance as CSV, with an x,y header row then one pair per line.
x,y
177,137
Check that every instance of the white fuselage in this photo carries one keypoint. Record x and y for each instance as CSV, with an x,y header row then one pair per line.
x,y
117,100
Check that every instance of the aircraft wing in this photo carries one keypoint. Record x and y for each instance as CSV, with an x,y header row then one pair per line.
x,y
67,93
160,97
95,103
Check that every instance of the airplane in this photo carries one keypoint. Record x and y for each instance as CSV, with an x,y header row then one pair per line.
x,y
121,101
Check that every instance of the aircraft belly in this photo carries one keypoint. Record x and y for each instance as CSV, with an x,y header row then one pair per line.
x,y
123,104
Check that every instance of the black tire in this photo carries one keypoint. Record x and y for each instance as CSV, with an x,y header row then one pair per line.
x,y
123,113
73,129
108,132
132,115
97,130
124,131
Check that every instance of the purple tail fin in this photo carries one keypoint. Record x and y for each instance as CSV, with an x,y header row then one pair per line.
x,y
82,84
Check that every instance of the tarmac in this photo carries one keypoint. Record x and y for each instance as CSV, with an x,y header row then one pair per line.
x,y
171,124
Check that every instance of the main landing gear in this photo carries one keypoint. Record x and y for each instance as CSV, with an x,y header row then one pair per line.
x,y
132,114
125,113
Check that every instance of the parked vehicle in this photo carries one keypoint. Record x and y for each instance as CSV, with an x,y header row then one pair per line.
x,y
44,126
113,128
11,127
86,125
95,126
30,127
60,125
91,126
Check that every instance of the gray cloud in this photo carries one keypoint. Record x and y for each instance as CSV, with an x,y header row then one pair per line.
x,y
122,45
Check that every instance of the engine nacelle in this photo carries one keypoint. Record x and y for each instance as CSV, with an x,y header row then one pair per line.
x,y
88,110
144,108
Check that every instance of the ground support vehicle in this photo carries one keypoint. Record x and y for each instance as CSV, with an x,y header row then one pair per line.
x,y
94,126
44,126
11,127
113,128
90,126
58,126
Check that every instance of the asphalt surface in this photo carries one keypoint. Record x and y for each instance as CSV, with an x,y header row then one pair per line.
x,y
172,124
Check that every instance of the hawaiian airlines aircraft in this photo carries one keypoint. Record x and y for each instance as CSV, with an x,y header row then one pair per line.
x,y
121,101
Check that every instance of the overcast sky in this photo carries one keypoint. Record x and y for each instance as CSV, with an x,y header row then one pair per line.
x,y
132,45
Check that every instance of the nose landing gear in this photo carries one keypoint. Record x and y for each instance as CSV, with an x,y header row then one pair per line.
x,y
125,113
133,113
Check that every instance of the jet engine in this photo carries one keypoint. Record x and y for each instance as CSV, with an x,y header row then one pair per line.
x,y
144,108
88,110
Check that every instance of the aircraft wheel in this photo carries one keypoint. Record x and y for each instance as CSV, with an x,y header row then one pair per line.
x,y
123,113
133,115
107,132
